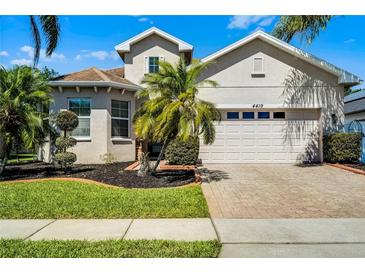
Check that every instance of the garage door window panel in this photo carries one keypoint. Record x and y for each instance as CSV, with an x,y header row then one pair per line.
x,y
279,115
232,115
248,115
264,115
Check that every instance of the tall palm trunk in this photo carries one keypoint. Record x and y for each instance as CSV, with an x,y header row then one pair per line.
x,y
159,158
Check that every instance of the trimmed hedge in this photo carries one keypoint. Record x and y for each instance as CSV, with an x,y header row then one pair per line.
x,y
342,147
179,152
65,158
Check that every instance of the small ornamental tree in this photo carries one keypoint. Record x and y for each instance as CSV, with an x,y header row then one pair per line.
x,y
66,121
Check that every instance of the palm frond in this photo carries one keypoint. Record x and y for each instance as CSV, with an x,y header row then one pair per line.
x,y
36,39
307,26
51,29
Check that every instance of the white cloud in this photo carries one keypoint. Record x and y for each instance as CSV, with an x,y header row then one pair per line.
x,y
52,58
100,55
55,57
267,21
114,55
145,19
28,50
4,53
350,41
22,61
245,21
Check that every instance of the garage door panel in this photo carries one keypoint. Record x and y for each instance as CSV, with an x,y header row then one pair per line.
x,y
233,129
247,142
233,156
248,155
233,142
268,141
248,136
247,129
263,142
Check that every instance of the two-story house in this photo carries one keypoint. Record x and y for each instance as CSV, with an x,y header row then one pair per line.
x,y
276,100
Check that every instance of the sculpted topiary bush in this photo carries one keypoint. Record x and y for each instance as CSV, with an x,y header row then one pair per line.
x,y
179,152
66,122
342,147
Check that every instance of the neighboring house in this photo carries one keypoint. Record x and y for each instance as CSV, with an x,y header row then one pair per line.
x,y
276,100
355,108
355,116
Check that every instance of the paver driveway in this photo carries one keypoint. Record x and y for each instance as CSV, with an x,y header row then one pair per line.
x,y
283,191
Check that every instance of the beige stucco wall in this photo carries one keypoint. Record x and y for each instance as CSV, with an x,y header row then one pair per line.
x,y
92,151
288,82
153,45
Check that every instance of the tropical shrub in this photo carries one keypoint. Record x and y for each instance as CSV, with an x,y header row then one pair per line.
x,y
66,121
342,147
179,152
22,90
171,107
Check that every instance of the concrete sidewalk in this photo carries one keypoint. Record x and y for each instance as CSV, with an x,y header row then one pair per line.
x,y
240,237
291,238
104,229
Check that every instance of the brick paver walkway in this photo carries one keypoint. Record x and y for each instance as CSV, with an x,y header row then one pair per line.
x,y
283,191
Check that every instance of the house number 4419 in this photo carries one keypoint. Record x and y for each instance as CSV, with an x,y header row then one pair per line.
x,y
257,105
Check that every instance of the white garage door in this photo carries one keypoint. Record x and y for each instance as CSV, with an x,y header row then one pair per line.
x,y
264,141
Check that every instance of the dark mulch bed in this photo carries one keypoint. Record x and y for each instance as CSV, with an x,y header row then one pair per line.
x,y
357,166
112,174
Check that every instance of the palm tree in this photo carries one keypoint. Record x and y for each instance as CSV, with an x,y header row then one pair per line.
x,y
172,109
23,93
308,26
51,30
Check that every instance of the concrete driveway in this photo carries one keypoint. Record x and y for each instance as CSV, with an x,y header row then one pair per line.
x,y
282,191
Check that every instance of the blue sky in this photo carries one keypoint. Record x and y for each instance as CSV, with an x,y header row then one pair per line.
x,y
89,40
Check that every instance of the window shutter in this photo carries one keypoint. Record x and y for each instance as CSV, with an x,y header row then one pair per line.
x,y
146,63
258,65
162,58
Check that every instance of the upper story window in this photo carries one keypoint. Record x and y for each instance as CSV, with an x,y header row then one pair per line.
x,y
258,65
153,64
82,108
232,115
120,119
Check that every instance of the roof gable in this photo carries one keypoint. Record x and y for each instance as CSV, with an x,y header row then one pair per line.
x,y
93,76
125,46
344,77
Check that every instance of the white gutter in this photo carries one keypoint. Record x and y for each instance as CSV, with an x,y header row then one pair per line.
x,y
93,84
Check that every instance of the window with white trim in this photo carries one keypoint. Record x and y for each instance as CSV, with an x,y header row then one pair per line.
x,y
120,119
153,64
82,108
258,65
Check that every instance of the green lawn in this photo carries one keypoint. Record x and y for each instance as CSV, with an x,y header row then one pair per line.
x,y
66,199
108,249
